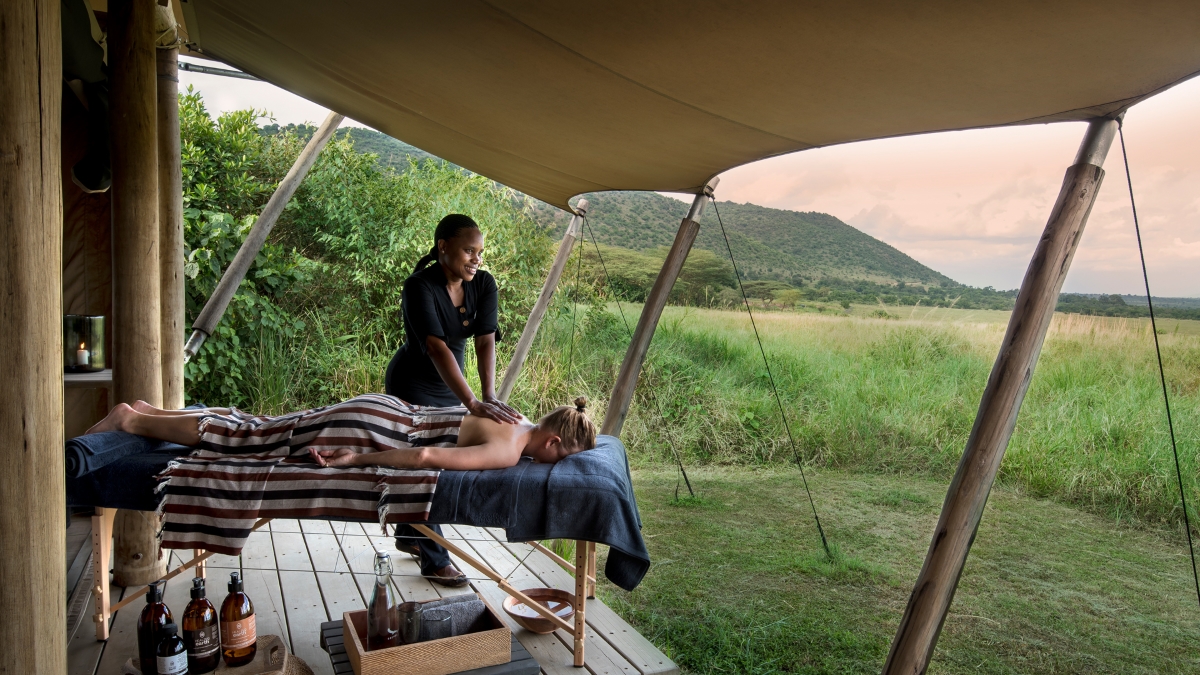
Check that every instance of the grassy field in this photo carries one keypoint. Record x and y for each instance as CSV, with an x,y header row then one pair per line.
x,y
740,585
894,397
1080,565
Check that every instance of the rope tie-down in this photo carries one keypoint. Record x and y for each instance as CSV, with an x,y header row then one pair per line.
x,y
1162,377
771,377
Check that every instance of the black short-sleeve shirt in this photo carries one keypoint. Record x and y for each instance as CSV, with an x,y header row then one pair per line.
x,y
426,309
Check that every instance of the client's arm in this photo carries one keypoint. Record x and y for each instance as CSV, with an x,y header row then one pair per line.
x,y
497,454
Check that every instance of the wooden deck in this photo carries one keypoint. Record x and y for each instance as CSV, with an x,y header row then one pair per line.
x,y
302,573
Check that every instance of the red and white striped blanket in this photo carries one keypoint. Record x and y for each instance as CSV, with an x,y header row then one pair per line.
x,y
213,497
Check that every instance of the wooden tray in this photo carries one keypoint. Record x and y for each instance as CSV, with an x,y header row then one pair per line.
x,y
490,647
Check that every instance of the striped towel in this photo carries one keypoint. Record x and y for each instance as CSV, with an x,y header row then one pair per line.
x,y
250,467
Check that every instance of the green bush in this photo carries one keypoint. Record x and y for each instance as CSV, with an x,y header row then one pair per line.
x,y
322,299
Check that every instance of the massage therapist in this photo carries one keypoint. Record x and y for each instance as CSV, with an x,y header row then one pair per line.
x,y
446,300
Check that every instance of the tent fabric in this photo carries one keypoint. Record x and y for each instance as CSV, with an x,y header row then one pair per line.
x,y
560,98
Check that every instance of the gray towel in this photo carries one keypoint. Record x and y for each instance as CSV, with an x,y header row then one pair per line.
x,y
467,611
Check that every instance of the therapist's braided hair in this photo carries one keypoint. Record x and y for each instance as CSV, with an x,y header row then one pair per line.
x,y
447,228
572,425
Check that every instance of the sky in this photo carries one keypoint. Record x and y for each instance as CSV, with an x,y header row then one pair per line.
x,y
969,204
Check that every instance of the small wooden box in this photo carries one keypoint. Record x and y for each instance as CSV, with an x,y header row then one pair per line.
x,y
490,647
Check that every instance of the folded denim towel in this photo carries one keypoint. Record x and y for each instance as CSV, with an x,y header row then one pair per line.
x,y
466,611
89,453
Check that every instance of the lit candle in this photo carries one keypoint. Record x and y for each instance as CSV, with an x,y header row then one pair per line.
x,y
83,356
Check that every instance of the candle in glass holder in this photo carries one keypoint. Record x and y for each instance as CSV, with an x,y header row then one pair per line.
x,y
82,356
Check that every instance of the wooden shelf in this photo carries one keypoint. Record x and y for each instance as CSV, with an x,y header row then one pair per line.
x,y
98,380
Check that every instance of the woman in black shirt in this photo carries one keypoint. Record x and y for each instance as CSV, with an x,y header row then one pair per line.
x,y
446,300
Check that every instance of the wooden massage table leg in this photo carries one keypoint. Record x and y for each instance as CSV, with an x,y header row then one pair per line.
x,y
582,549
201,567
591,569
102,526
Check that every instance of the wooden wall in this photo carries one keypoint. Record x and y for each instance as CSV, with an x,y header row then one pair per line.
x,y
87,261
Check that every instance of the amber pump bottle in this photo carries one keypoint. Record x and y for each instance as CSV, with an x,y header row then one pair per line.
x,y
150,624
200,634
239,641
171,656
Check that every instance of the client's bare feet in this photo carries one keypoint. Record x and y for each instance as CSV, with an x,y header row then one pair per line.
x,y
115,421
145,408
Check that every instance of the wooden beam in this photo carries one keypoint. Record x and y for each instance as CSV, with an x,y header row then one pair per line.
x,y
574,232
137,317
631,367
931,596
170,228
214,309
32,530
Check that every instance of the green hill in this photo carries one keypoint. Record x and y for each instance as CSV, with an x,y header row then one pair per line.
x,y
789,246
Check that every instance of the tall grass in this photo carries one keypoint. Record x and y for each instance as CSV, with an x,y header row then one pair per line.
x,y
891,396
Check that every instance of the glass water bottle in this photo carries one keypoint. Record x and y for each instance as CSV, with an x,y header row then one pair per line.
x,y
383,615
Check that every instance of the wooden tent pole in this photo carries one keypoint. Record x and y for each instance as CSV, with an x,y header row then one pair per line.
x,y
32,533
631,367
214,309
934,590
574,232
170,227
137,365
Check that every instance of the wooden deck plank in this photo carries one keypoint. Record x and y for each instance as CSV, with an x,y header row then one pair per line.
x,y
263,587
258,553
305,614
291,552
325,552
285,525
122,640
83,649
340,593
317,526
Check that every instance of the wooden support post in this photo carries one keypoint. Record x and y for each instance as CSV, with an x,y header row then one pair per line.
x,y
631,367
214,309
574,232
170,225
931,597
137,364
32,530
581,596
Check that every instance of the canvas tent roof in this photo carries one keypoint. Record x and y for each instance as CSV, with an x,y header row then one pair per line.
x,y
558,98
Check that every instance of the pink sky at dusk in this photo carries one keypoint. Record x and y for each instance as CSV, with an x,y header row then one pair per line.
x,y
969,204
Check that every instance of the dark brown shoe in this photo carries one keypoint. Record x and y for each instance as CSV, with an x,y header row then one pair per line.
x,y
409,547
448,576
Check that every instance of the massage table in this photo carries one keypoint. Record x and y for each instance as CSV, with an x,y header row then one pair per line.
x,y
587,497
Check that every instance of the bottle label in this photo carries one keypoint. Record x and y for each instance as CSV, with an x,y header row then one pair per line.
x,y
172,665
203,642
238,634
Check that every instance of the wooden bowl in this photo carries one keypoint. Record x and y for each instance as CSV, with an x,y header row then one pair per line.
x,y
561,603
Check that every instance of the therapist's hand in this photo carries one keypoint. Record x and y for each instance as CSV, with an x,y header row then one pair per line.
x,y
494,409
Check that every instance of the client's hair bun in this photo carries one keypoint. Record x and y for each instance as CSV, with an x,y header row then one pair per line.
x,y
581,403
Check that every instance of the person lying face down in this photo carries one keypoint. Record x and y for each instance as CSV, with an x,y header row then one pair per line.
x,y
368,430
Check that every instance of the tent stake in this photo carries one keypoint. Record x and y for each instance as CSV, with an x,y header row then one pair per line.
x,y
932,594
574,231
214,309
631,367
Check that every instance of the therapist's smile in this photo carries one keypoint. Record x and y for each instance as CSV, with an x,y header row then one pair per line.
x,y
464,254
